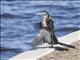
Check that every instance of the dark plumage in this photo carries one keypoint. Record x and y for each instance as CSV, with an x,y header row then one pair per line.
x,y
46,31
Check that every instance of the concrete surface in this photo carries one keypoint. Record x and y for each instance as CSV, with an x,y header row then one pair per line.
x,y
39,52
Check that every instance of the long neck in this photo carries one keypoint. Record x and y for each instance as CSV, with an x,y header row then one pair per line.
x,y
44,22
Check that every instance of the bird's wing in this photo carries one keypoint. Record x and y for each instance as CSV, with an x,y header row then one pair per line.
x,y
51,25
55,39
37,40
38,26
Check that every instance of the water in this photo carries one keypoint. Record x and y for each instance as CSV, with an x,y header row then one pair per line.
x,y
18,18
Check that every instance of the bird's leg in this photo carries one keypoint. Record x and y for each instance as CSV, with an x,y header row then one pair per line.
x,y
51,46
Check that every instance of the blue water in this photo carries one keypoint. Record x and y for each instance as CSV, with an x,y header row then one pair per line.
x,y
18,18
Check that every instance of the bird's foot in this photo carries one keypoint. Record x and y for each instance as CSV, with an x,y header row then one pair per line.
x,y
51,46
57,45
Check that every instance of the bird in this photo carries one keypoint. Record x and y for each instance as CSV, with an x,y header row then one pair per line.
x,y
46,31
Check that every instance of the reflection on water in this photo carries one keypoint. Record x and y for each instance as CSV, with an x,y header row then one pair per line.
x,y
18,18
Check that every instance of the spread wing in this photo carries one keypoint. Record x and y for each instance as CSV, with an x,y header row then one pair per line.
x,y
38,26
43,37
37,40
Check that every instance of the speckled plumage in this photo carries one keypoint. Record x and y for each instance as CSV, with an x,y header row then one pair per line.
x,y
46,32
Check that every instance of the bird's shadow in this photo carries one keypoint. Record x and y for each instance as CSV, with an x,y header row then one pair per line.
x,y
58,48
62,48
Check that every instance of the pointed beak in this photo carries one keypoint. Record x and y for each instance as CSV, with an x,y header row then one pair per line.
x,y
39,14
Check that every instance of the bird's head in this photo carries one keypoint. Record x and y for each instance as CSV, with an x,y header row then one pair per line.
x,y
44,14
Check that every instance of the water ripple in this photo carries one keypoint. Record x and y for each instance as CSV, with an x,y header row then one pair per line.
x,y
18,18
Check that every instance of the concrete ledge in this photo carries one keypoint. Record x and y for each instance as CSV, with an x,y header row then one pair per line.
x,y
70,38
37,53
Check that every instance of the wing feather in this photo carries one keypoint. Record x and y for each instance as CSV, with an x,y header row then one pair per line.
x,y
37,40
